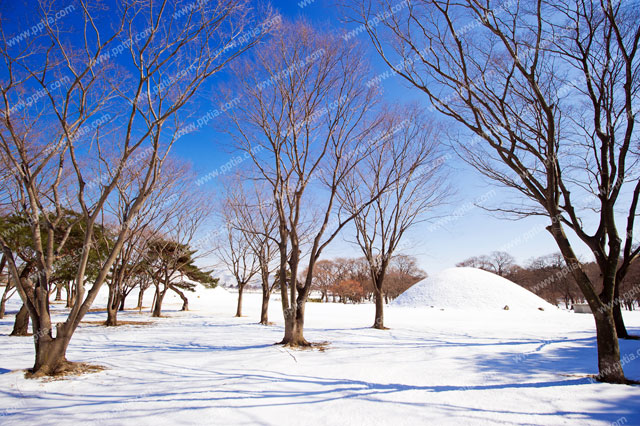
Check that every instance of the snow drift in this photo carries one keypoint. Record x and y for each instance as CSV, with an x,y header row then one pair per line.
x,y
470,288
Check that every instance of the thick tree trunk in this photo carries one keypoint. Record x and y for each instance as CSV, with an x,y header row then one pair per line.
x,y
51,355
153,302
112,316
264,311
239,308
112,307
379,319
621,330
71,294
21,324
609,366
157,306
122,299
58,293
294,327
377,278
140,298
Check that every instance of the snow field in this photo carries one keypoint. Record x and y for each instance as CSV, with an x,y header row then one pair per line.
x,y
435,367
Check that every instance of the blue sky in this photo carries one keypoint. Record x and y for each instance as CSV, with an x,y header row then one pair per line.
x,y
466,231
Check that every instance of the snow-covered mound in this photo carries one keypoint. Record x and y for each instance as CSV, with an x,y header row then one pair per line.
x,y
470,288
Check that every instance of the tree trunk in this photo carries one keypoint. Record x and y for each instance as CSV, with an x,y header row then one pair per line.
x,y
122,299
155,297
379,319
21,324
51,354
112,306
157,306
239,308
294,326
264,311
621,330
377,278
185,301
609,366
112,316
71,294
140,298
58,293
3,302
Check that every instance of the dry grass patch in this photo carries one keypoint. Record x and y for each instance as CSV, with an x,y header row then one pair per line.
x,y
68,369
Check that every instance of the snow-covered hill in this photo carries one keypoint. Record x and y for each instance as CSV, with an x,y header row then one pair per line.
x,y
470,288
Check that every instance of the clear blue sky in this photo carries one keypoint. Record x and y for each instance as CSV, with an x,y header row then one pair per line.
x,y
471,231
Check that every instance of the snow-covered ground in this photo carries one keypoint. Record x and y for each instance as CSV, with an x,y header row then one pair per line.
x,y
436,367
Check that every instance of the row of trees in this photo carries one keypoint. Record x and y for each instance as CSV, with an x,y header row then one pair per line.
x,y
92,185
115,95
539,97
349,280
325,154
149,258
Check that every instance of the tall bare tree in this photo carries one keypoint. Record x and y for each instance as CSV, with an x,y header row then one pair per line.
x,y
250,211
171,200
547,92
237,255
309,112
111,82
403,175
170,255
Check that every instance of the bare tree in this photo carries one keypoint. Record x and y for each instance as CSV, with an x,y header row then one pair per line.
x,y
402,274
164,206
546,91
403,175
237,255
480,262
502,263
92,105
170,255
250,211
499,262
309,112
325,277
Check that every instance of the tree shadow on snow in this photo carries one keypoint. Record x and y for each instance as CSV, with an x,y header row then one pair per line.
x,y
169,387
194,389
